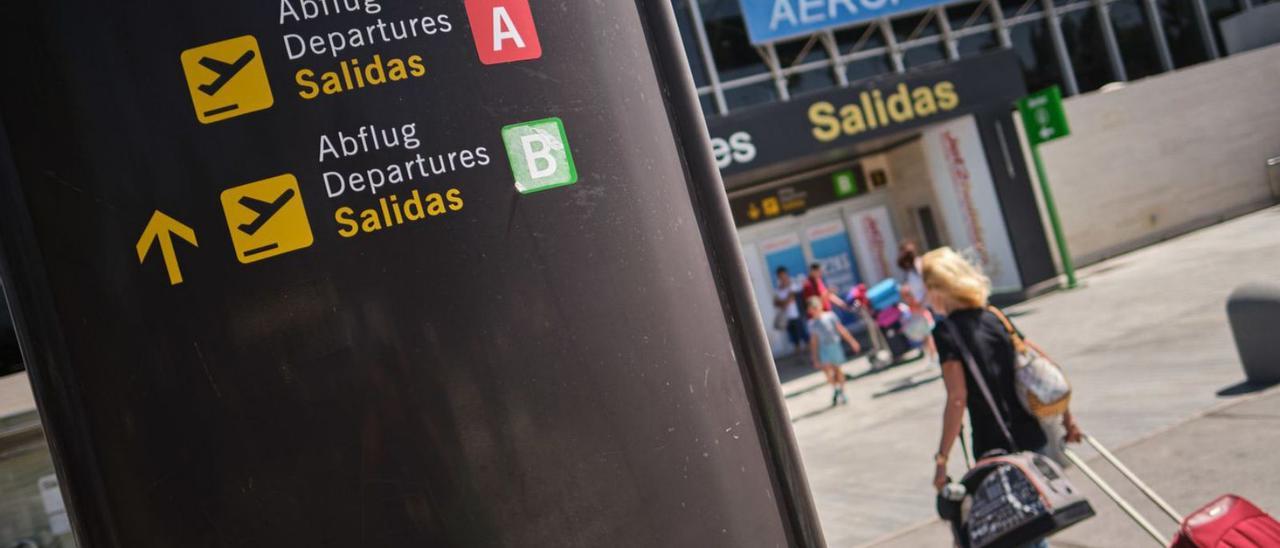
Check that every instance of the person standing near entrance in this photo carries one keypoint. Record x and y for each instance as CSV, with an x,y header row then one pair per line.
x,y
912,274
816,288
915,293
786,297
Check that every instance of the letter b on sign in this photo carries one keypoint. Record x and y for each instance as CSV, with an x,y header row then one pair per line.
x,y
540,155
503,30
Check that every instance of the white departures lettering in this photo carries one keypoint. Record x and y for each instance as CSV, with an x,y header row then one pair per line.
x,y
372,180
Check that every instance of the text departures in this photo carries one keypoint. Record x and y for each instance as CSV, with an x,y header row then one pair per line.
x,y
341,52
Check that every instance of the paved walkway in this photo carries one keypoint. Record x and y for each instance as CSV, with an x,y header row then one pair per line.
x,y
1145,341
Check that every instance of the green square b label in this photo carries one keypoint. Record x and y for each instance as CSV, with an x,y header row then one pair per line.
x,y
845,183
540,156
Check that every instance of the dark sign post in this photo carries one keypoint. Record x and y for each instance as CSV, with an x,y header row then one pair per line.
x,y
340,273
1044,120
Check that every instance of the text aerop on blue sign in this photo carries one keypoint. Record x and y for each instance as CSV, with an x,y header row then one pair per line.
x,y
773,20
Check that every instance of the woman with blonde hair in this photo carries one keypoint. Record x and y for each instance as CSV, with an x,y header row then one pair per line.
x,y
959,291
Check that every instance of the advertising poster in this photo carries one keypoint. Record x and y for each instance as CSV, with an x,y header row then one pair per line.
x,y
875,243
830,245
967,196
783,251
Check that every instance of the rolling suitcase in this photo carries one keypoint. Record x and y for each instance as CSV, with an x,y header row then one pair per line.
x,y
1228,521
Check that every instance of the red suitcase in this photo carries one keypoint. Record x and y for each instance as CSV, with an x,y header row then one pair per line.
x,y
1228,522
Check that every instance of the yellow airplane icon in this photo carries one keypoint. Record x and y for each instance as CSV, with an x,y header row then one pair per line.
x,y
266,218
772,207
227,79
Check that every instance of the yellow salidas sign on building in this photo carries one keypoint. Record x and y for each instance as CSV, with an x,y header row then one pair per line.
x,y
266,218
879,109
226,79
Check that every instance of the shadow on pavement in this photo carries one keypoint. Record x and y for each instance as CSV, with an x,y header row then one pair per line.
x,y
847,377
813,413
1015,314
908,383
1244,387
792,367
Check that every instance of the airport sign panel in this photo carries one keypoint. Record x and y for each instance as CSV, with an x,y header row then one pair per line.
x,y
776,20
1043,117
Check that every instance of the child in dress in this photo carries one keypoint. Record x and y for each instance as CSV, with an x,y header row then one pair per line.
x,y
825,334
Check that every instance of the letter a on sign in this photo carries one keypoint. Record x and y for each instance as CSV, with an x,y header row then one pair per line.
x,y
503,30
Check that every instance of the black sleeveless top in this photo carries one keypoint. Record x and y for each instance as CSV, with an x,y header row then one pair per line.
x,y
989,343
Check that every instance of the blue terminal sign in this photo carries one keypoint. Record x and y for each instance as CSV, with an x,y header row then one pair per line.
x,y
773,20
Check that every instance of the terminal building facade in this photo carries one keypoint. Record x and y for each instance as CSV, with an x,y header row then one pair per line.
x,y
849,132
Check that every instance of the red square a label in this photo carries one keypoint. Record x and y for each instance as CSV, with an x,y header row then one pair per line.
x,y
503,30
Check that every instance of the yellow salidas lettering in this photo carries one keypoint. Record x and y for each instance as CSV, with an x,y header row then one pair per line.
x,y
880,108
352,75
391,211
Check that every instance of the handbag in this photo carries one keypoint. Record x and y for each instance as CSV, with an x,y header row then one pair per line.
x,y
1012,499
1043,388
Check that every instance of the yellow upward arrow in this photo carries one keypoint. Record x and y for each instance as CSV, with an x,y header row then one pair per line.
x,y
161,228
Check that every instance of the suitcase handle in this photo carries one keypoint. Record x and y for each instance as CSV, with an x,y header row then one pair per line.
x,y
1137,482
1133,478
